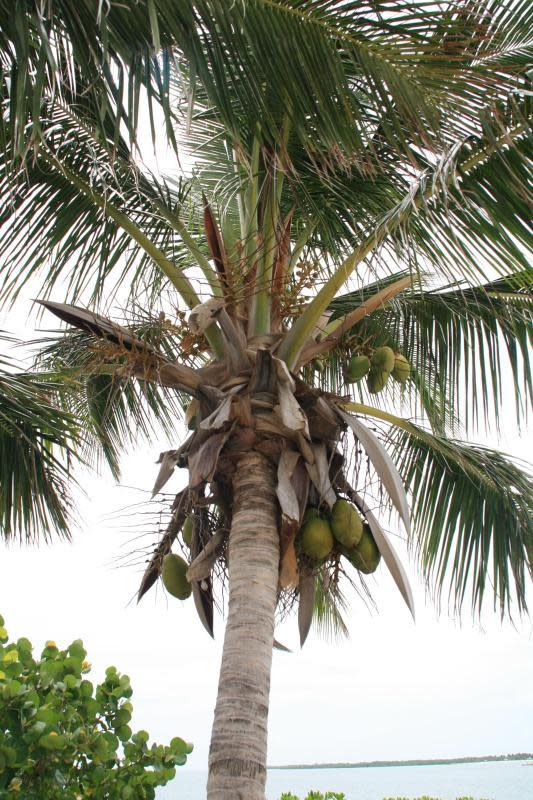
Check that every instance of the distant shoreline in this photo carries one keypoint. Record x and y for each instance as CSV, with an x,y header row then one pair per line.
x,y
415,762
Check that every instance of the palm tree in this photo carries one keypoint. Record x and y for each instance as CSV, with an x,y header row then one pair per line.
x,y
383,146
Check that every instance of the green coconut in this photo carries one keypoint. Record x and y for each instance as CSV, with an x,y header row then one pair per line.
x,y
317,538
365,556
376,380
383,359
175,576
310,513
357,368
187,530
346,524
402,369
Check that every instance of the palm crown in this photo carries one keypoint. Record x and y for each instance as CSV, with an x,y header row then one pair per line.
x,y
331,143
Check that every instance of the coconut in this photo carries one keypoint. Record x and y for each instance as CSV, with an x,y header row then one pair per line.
x,y
365,556
376,380
384,359
346,524
357,368
310,513
317,538
187,530
402,368
175,576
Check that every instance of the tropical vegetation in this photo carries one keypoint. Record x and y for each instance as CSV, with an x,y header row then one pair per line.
x,y
349,194
62,737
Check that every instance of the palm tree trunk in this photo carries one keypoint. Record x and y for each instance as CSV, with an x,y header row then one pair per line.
x,y
237,758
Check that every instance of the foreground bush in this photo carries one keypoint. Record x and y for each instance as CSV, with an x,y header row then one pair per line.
x,y
62,738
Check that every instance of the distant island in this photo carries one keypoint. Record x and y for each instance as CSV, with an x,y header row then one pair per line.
x,y
415,762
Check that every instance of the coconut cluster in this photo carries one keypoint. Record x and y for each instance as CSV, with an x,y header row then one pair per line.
x,y
342,531
322,535
377,368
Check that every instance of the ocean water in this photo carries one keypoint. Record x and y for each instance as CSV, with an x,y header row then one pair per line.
x,y
502,780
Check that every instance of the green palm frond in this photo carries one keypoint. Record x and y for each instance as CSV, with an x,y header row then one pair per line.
x,y
353,82
39,444
349,80
120,411
97,55
475,221
473,527
58,217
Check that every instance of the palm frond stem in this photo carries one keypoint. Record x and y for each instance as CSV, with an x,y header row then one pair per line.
x,y
378,413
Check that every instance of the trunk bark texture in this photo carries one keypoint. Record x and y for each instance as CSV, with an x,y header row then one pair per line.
x,y
237,758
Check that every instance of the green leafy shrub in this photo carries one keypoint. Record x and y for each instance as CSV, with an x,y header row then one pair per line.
x,y
62,738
